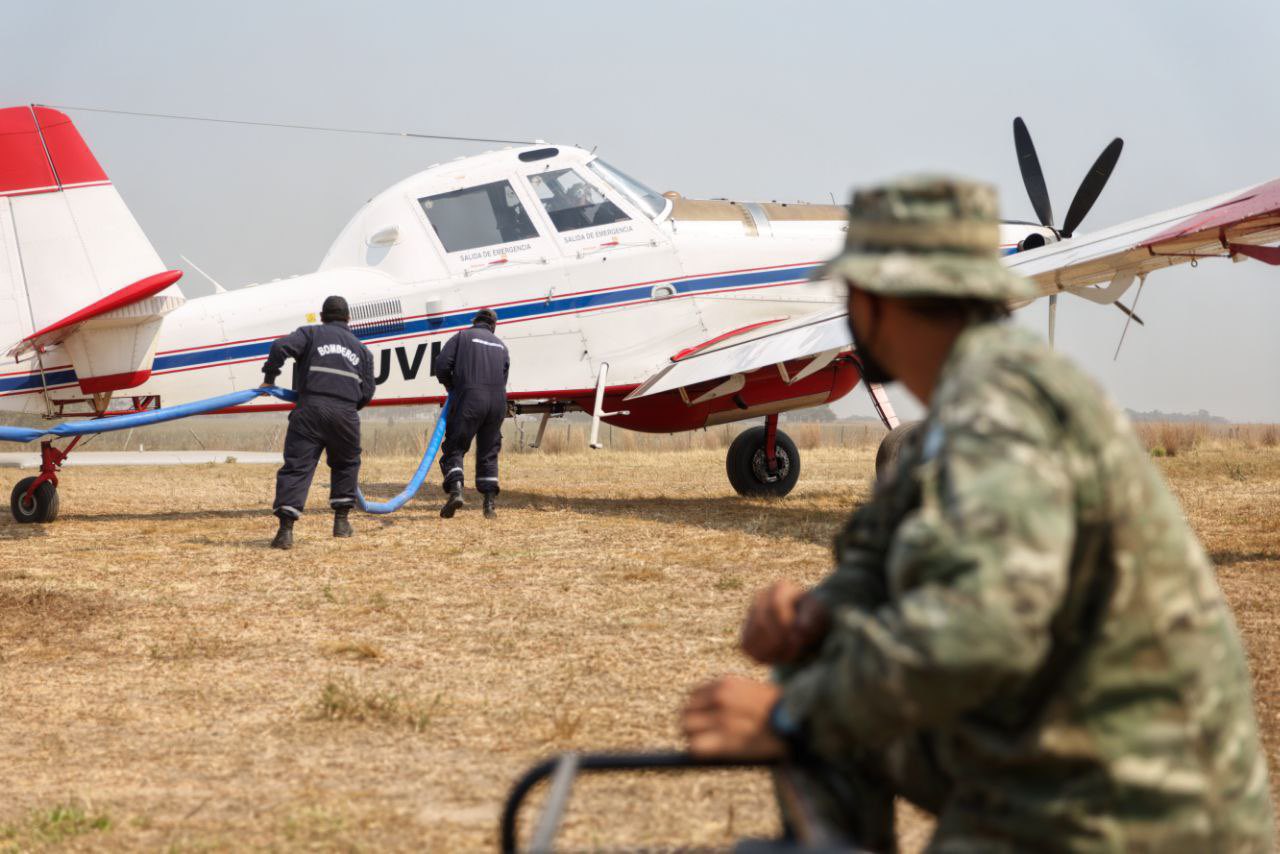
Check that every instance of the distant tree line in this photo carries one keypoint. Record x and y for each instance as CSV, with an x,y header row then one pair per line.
x,y
1203,416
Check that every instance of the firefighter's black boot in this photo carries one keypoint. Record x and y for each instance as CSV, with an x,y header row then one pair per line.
x,y
341,525
490,511
454,503
284,536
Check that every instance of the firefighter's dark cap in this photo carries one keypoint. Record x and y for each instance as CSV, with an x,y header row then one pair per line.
x,y
335,308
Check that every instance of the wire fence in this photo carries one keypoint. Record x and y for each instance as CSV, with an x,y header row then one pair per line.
x,y
388,434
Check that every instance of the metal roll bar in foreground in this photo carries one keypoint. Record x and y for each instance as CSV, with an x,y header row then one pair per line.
x,y
801,829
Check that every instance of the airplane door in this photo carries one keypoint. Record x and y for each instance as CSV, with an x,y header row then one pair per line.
x,y
485,228
498,257
619,266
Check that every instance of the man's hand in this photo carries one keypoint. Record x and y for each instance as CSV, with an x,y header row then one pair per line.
x,y
266,385
783,624
730,717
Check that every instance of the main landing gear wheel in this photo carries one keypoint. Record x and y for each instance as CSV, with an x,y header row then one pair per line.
x,y
748,467
40,506
892,446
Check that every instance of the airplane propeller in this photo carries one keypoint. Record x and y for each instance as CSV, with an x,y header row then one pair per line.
x,y
1032,174
1090,188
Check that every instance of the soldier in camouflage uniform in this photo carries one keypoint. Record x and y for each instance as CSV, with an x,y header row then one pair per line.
x,y
1021,635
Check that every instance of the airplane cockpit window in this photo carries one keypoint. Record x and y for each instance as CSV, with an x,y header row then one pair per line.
x,y
572,202
478,216
649,201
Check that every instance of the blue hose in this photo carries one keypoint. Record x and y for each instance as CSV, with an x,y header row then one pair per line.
x,y
216,404
144,419
415,483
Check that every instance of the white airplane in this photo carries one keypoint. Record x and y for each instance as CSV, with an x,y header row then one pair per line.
x,y
650,311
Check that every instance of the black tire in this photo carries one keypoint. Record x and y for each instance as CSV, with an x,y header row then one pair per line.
x,y
42,506
749,471
891,447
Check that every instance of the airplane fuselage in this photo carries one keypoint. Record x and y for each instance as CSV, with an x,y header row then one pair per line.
x,y
650,277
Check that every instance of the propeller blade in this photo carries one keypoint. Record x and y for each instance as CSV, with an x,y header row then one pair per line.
x,y
1032,175
1092,186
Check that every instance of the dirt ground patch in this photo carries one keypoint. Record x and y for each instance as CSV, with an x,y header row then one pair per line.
x,y
166,681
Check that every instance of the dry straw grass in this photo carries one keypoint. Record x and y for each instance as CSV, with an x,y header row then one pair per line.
x,y
203,692
344,699
1171,438
1168,439
59,825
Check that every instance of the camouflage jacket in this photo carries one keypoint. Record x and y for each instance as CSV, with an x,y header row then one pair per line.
x,y
1026,596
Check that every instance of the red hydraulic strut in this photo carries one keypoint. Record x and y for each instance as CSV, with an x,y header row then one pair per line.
x,y
771,442
51,459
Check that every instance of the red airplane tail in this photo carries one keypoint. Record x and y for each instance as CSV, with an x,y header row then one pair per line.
x,y
77,273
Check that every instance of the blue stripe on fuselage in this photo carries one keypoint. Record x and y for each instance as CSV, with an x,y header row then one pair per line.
x,y
444,323
33,380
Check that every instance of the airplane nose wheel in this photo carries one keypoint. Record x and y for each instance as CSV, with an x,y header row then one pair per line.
x,y
38,505
747,463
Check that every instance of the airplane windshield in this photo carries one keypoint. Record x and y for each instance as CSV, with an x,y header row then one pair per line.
x,y
650,202
572,202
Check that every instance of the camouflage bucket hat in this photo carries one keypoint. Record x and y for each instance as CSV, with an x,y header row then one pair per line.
x,y
927,237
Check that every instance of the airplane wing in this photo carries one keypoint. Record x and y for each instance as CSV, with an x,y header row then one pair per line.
x,y
1234,225
823,335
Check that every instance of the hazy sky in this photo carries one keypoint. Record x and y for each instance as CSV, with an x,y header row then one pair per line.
x,y
746,100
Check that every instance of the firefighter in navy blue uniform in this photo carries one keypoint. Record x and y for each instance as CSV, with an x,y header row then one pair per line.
x,y
473,367
333,376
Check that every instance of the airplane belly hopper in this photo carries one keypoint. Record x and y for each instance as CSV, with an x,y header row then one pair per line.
x,y
756,394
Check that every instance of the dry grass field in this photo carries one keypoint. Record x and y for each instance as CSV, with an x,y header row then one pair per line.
x,y
168,682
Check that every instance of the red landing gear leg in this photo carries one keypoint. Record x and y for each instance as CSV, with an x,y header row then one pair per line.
x,y
879,400
899,433
771,443
51,460
35,499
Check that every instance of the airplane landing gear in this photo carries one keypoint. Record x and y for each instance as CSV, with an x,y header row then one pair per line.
x,y
35,499
763,461
892,446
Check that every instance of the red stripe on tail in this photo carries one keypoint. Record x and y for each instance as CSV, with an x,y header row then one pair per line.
x,y
73,162
41,151
23,164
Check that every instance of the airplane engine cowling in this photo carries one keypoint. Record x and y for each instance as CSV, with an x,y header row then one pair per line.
x,y
762,392
1032,241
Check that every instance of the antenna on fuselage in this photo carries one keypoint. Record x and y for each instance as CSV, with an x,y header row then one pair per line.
x,y
289,125
217,288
